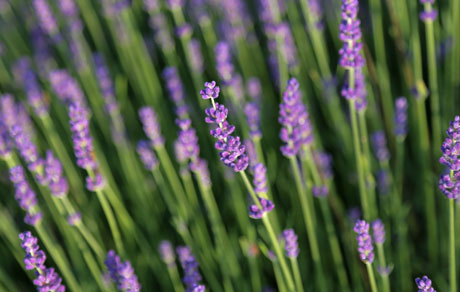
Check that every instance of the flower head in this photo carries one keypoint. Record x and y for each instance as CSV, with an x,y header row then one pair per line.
x,y
167,252
290,243
400,121
148,157
54,175
151,126
189,264
424,284
365,247
379,143
378,230
122,273
449,183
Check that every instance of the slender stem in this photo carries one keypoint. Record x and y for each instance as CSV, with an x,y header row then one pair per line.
x,y
297,277
433,82
112,222
370,272
383,265
358,159
452,260
271,233
309,224
175,279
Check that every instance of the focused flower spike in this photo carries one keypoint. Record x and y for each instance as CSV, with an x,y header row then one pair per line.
x,y
189,264
449,183
232,151
424,284
365,247
46,278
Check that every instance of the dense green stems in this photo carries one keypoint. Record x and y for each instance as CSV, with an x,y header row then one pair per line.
x,y
112,221
279,277
370,272
383,265
297,276
452,259
59,258
433,84
271,233
358,160
308,220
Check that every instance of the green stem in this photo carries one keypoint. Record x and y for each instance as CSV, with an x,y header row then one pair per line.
x,y
383,265
175,279
370,272
358,159
297,277
452,260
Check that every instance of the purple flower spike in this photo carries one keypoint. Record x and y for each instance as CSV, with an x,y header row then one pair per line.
x,y
54,175
379,143
192,276
5,142
400,128
47,279
232,151
174,85
74,219
25,195
256,213
424,284
148,157
378,230
293,116
252,112
429,14
290,243
66,88
31,86
122,274
350,54
167,252
320,191
106,85
197,63
260,178
151,126
45,16
95,183
82,140
200,167
450,183
365,247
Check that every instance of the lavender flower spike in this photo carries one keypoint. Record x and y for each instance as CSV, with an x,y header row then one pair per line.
x,y
365,248
148,157
192,276
151,126
449,183
54,175
47,279
122,274
232,151
293,116
424,284
45,16
378,230
400,122
167,252
260,179
290,243
379,143
25,196
429,14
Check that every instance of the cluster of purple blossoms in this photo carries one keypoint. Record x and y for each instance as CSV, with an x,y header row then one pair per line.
x,y
252,112
296,130
256,213
148,157
254,88
28,80
378,230
54,175
324,162
288,48
383,181
424,284
186,144
224,62
192,276
290,243
106,85
45,16
159,25
200,167
197,62
167,253
151,5
74,219
47,279
232,151
450,183
122,274
365,247
379,143
400,121
260,178
25,195
5,142
320,191
350,54
151,126
175,90
66,88
251,151
316,13
429,14
83,146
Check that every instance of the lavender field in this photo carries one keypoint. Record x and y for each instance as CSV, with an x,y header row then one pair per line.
x,y
229,145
